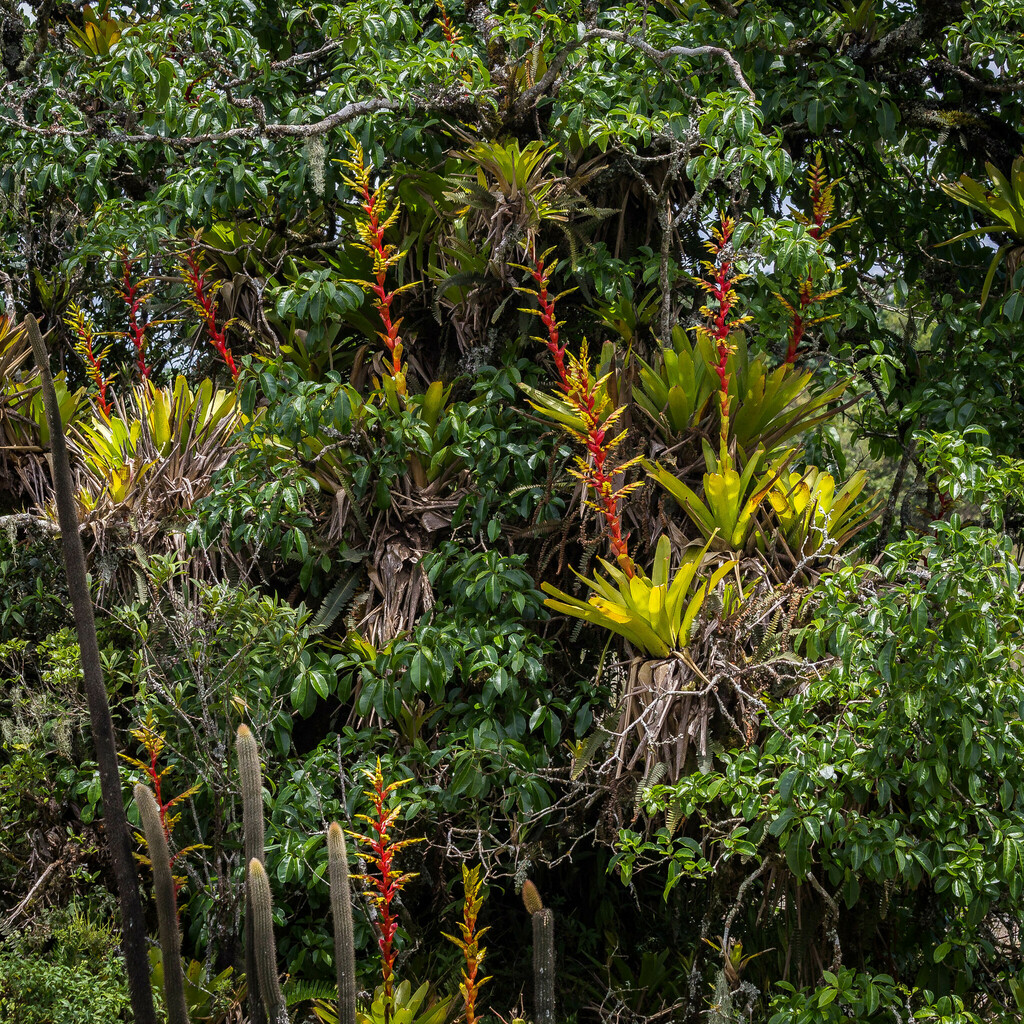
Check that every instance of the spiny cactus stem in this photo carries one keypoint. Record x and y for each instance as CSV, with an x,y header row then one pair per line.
x,y
251,781
166,905
531,898
341,909
265,947
544,967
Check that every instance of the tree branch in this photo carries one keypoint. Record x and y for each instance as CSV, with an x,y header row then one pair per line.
x,y
349,112
544,83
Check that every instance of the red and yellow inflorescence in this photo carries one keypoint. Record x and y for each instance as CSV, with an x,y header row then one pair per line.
x,y
720,287
152,741
469,942
589,399
387,882
85,345
451,34
203,299
134,299
822,193
375,220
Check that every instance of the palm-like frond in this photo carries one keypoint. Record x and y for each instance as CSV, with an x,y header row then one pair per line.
x,y
1003,206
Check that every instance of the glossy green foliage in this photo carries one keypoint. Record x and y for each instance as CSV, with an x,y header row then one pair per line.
x,y
898,771
266,495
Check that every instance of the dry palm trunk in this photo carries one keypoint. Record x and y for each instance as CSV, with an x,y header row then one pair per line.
x,y
133,924
663,714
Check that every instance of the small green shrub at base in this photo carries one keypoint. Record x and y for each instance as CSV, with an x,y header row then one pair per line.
x,y
71,974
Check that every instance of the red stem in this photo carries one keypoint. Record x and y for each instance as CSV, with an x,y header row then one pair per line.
x,y
95,370
384,298
721,326
581,394
207,307
797,327
154,776
137,332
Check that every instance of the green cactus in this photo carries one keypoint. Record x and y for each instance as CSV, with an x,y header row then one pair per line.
x,y
265,949
251,781
543,955
267,1004
531,898
166,905
544,967
341,909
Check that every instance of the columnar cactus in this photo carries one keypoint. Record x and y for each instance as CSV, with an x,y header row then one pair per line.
x,y
166,905
543,955
341,909
251,781
264,946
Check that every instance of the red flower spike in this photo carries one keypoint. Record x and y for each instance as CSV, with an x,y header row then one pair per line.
x,y
387,882
371,227
153,743
85,338
130,292
469,941
203,300
721,289
822,194
450,32
583,393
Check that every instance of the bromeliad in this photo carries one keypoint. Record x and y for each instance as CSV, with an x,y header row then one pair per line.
x,y
85,337
817,516
586,412
1003,207
655,614
387,883
376,219
727,513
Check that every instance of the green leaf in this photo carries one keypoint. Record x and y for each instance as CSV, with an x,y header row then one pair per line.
x,y
1013,307
816,116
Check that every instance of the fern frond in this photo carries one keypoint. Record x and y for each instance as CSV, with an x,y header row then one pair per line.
x,y
335,603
